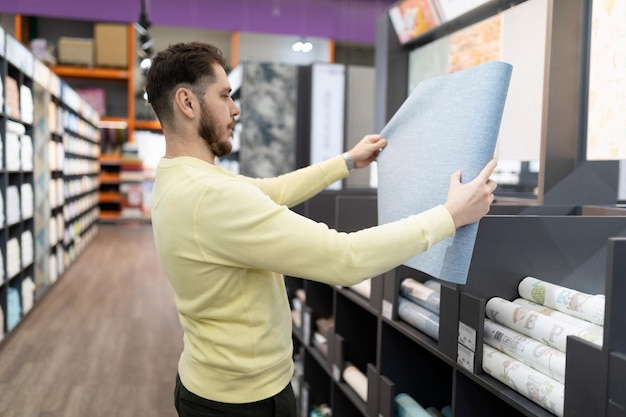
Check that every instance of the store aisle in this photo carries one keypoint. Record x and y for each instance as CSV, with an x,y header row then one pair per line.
x,y
104,341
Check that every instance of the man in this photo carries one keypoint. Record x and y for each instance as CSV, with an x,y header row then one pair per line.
x,y
225,241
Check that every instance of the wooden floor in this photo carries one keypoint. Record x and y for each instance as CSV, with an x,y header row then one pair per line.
x,y
103,341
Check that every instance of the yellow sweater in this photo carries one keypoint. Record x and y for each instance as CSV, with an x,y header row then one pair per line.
x,y
225,242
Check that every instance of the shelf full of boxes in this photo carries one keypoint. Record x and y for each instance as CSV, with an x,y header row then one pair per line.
x,y
48,179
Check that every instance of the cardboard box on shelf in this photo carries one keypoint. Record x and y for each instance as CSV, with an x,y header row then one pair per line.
x,y
76,51
111,45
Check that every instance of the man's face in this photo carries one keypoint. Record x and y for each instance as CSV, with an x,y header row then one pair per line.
x,y
217,119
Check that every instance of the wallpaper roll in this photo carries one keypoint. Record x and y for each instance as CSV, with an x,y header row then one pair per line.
x,y
356,379
1,196
531,323
593,328
417,316
447,123
435,285
320,342
578,304
14,308
363,288
434,412
532,384
406,406
421,294
537,355
28,294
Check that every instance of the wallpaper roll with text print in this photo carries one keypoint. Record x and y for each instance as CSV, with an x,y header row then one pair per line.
x,y
595,329
588,307
537,355
533,324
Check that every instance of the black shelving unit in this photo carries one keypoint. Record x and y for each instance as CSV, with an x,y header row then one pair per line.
x,y
577,247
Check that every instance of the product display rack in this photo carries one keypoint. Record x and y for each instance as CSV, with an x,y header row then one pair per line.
x,y
81,142
52,163
110,196
17,181
577,247
119,84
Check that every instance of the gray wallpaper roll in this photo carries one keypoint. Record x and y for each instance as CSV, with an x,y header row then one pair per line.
x,y
447,123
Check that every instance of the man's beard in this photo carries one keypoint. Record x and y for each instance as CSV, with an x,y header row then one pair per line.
x,y
208,131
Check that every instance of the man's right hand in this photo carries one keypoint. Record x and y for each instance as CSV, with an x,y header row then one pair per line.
x,y
468,203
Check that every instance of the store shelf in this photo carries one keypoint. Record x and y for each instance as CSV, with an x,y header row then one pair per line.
x,y
147,125
90,72
562,245
48,122
110,197
115,81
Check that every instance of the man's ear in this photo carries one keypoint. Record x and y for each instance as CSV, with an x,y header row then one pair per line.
x,y
185,102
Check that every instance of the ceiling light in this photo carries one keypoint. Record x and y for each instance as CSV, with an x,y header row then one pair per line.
x,y
302,46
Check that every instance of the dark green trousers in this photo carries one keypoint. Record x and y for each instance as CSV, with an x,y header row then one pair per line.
x,y
189,404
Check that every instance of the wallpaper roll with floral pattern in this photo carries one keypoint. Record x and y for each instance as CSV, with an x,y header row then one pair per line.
x,y
532,384
578,304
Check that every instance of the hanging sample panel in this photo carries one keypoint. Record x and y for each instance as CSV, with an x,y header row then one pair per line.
x,y
606,133
447,123
268,117
327,112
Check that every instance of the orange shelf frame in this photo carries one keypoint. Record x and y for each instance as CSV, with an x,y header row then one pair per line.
x,y
147,125
91,72
110,197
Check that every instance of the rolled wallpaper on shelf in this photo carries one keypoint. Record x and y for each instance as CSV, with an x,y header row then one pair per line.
x,y
534,385
588,307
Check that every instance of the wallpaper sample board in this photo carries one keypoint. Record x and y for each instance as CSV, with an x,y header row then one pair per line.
x,y
447,123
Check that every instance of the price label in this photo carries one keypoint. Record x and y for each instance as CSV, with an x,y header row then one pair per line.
x,y
306,327
336,373
467,336
387,309
465,358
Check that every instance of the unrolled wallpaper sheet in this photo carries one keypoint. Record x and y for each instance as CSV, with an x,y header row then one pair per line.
x,y
447,123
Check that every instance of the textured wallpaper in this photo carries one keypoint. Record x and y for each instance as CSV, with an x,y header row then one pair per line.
x,y
268,117
447,123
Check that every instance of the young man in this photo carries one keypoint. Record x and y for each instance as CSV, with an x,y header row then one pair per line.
x,y
225,241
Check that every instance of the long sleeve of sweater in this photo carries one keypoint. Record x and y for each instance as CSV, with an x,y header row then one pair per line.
x,y
256,231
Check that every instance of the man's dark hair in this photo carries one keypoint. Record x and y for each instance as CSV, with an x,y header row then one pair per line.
x,y
181,64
